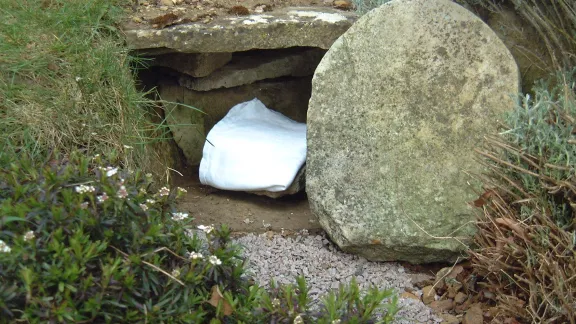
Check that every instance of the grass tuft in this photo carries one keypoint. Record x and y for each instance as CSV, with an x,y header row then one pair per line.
x,y
66,82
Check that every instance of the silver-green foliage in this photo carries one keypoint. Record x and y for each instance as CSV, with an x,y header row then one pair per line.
x,y
363,6
543,126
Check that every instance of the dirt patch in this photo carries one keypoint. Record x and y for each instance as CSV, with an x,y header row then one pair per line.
x,y
244,212
163,13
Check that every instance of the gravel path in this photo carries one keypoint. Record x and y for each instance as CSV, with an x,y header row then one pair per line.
x,y
325,267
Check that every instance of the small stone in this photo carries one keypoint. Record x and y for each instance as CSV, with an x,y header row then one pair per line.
x,y
453,288
164,8
409,295
165,3
259,9
137,20
428,295
442,305
460,298
473,315
449,319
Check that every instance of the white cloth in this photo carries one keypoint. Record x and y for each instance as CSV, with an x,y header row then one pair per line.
x,y
253,148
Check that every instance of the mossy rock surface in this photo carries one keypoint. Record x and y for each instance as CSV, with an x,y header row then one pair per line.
x,y
398,104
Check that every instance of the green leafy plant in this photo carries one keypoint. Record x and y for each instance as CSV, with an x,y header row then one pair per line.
x,y
84,240
291,304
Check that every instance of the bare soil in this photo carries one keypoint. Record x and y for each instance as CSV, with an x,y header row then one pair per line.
x,y
244,212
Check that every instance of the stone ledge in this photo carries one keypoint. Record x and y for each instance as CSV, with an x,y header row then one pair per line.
x,y
287,27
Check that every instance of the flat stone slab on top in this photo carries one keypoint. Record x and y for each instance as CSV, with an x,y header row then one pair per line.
x,y
284,28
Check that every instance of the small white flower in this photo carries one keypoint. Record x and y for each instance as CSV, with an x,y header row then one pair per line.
x,y
142,191
336,321
182,190
276,302
150,201
102,198
84,205
144,207
29,236
84,189
214,260
175,273
4,248
298,320
148,175
179,216
122,193
110,171
164,191
78,78
195,255
206,229
128,147
93,134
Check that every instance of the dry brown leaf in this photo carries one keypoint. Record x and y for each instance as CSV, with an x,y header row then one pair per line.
x,y
511,224
483,199
217,297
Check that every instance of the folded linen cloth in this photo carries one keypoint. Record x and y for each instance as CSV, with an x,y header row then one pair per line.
x,y
253,148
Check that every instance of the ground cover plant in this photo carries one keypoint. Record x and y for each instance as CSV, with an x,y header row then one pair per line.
x,y
87,234
82,240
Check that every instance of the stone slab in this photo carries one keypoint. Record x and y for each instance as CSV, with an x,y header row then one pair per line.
x,y
246,69
193,64
284,28
398,104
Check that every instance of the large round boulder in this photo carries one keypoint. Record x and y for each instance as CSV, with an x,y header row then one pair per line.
x,y
398,104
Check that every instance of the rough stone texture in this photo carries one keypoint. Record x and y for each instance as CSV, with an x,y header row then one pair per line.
x,y
398,104
246,69
297,185
289,97
523,42
186,123
197,65
284,28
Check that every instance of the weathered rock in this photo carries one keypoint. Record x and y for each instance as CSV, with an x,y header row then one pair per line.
x,y
522,40
442,305
398,104
409,295
246,69
449,319
460,298
185,122
197,65
428,294
473,315
289,97
283,28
